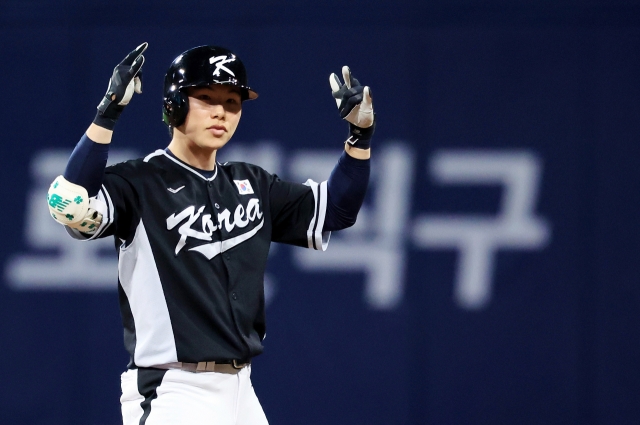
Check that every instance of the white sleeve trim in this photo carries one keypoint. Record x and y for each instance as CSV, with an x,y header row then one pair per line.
x,y
103,204
316,238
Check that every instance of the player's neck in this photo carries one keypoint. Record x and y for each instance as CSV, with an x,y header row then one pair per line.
x,y
192,154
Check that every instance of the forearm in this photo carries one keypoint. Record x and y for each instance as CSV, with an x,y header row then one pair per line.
x,y
71,196
357,153
99,134
88,160
346,187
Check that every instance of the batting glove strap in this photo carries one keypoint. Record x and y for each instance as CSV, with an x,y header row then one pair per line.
x,y
361,137
103,121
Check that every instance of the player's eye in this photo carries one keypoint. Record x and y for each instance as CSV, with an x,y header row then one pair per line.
x,y
204,97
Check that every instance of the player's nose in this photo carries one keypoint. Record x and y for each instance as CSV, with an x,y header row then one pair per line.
x,y
216,110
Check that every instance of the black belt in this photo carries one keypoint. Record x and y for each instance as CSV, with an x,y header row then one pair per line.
x,y
224,366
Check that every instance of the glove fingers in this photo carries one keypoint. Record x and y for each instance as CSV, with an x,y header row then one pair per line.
x,y
337,89
137,84
346,75
142,47
354,91
367,101
128,60
127,94
351,104
354,101
351,93
136,73
335,83
135,66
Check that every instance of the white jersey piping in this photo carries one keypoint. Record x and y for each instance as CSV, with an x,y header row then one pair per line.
x,y
185,166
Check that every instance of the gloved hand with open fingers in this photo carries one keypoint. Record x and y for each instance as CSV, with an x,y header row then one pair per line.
x,y
126,78
356,106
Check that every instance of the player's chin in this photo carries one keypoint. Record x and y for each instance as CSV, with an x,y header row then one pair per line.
x,y
215,143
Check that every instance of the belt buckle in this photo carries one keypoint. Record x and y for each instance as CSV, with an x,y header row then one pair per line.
x,y
237,365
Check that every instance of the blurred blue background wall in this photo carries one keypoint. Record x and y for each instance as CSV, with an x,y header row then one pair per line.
x,y
493,276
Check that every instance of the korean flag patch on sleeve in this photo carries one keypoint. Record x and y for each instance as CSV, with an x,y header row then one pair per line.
x,y
244,187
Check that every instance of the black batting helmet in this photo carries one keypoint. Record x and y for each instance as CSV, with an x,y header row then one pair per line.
x,y
200,66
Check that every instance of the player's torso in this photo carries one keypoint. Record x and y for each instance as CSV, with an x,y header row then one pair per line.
x,y
197,219
202,218
210,239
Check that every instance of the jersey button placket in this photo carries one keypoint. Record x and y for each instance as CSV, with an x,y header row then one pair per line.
x,y
234,295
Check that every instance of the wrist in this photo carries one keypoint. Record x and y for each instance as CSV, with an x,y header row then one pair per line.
x,y
357,153
108,112
360,137
101,121
99,134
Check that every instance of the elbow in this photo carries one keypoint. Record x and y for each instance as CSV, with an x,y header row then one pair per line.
x,y
338,223
348,223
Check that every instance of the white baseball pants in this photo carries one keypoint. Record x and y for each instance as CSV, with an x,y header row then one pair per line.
x,y
176,397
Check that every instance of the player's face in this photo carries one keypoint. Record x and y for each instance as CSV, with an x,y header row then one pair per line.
x,y
214,113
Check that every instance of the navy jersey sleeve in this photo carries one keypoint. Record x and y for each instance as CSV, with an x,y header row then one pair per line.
x,y
298,212
346,189
117,202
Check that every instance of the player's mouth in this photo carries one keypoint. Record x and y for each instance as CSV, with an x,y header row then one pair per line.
x,y
217,130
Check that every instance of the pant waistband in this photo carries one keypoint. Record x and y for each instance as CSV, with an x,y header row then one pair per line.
x,y
232,368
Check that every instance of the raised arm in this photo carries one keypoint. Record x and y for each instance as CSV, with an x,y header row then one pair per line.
x,y
69,194
347,185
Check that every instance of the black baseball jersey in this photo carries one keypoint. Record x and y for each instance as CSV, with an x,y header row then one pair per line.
x,y
192,253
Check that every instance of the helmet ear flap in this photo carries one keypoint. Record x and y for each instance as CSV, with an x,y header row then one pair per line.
x,y
175,108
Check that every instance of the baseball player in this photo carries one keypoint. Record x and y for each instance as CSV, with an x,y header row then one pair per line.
x,y
192,234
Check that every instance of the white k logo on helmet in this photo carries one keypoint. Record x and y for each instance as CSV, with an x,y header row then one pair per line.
x,y
219,61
